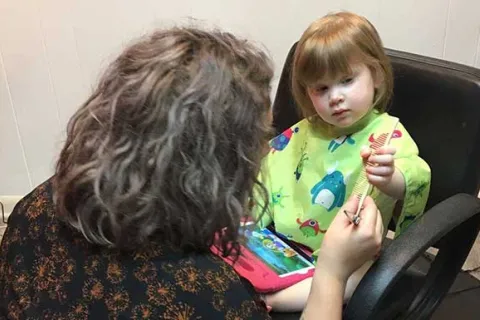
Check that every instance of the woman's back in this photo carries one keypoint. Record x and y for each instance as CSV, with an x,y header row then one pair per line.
x,y
49,271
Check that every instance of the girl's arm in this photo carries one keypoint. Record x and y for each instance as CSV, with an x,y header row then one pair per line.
x,y
294,298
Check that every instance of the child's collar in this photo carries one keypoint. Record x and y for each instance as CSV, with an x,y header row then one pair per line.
x,y
335,132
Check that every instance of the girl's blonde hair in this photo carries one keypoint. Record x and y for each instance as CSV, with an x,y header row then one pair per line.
x,y
328,48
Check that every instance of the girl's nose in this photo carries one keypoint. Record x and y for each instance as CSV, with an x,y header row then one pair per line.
x,y
335,98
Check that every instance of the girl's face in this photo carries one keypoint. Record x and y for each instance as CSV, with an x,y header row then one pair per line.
x,y
344,100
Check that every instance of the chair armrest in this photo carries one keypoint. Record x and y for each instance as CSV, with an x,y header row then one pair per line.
x,y
455,222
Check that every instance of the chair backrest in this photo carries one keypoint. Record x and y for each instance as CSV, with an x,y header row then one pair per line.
x,y
439,104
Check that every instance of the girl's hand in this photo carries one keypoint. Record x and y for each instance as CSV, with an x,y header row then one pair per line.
x,y
380,166
382,173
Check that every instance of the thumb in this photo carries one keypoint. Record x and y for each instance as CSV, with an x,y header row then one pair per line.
x,y
341,220
351,205
365,152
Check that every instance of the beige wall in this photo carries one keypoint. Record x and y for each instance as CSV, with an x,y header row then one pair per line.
x,y
52,50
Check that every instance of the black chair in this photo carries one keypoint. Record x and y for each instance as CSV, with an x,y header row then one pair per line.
x,y
439,104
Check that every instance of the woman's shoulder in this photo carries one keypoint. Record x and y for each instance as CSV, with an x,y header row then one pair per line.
x,y
35,205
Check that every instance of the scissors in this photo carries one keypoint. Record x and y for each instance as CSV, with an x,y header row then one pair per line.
x,y
354,218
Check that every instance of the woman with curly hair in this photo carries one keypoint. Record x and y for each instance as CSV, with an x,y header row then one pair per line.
x,y
162,157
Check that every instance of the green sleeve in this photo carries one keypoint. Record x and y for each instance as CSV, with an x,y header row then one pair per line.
x,y
417,179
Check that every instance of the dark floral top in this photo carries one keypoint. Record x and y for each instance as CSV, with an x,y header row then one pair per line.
x,y
49,271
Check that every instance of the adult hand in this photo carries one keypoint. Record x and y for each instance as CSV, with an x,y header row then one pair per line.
x,y
347,246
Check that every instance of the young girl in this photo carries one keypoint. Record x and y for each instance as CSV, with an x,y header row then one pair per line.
x,y
342,82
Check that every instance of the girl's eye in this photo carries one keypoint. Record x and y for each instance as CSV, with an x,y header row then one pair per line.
x,y
347,80
321,89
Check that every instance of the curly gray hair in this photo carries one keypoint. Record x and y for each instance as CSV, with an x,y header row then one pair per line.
x,y
169,145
